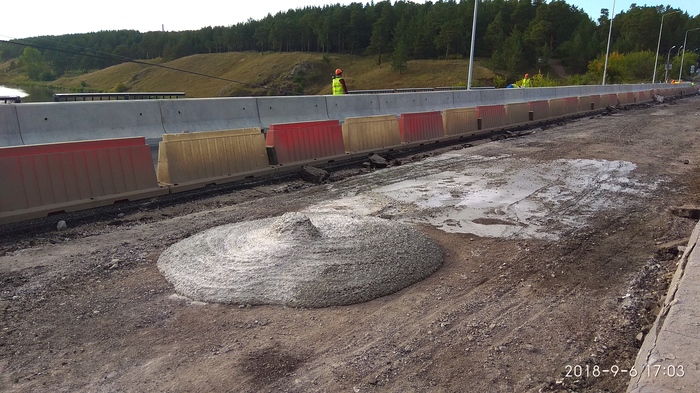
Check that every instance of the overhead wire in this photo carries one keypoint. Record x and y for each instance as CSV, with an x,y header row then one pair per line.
x,y
112,56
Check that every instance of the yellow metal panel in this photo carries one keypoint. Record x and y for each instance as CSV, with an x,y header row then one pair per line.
x,y
557,107
198,156
460,121
518,113
372,132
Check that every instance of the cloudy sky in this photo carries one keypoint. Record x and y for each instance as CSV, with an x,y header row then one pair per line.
x,y
23,18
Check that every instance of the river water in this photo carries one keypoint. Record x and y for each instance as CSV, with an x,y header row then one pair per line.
x,y
28,93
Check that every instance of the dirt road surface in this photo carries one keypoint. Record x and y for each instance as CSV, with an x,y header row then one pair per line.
x,y
558,248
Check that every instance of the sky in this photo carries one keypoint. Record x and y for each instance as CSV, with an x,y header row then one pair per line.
x,y
23,18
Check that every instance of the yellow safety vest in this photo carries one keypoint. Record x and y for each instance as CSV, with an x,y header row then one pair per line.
x,y
337,87
527,82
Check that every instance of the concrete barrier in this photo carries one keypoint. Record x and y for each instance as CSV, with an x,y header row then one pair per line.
x,y
492,97
42,179
460,121
539,110
9,127
352,105
466,98
209,114
514,95
398,103
491,116
307,141
518,113
596,101
192,160
371,133
277,110
435,101
421,126
42,123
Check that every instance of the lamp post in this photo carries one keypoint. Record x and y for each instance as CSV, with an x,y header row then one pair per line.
x,y
658,46
607,52
471,51
680,73
668,58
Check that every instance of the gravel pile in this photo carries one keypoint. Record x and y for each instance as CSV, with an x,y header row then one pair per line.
x,y
300,260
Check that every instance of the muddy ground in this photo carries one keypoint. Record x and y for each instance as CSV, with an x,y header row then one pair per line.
x,y
86,309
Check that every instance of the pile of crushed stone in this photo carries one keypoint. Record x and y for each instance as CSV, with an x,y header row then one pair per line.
x,y
300,260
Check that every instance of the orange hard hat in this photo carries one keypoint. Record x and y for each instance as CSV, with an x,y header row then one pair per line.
x,y
526,75
338,71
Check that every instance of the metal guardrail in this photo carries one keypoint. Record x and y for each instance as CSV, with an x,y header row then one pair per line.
x,y
415,90
115,96
11,99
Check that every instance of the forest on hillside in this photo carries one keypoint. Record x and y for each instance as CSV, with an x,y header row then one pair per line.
x,y
515,34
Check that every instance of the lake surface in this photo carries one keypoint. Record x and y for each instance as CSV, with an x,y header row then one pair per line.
x,y
28,93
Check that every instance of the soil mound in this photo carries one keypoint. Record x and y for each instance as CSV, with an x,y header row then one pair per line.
x,y
300,260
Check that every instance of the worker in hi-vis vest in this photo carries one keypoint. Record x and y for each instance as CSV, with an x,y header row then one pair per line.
x,y
526,82
339,83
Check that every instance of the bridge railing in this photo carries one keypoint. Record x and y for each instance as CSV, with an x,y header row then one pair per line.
x,y
115,96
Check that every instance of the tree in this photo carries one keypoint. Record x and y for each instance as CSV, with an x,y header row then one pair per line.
x,y
34,65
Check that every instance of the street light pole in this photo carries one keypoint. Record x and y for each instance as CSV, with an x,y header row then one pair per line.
x,y
668,58
680,73
471,51
607,52
658,46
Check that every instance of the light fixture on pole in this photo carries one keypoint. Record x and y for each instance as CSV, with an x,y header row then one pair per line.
x,y
471,51
668,58
680,73
658,46
607,52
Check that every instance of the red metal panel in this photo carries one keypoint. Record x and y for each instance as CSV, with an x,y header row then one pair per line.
x,y
539,109
631,99
597,101
492,116
420,126
63,147
70,173
295,142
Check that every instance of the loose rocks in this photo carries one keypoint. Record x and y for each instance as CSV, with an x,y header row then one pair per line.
x,y
300,260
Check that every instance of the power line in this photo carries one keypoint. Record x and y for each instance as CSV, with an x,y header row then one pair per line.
x,y
111,56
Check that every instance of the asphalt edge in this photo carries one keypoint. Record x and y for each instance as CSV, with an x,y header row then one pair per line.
x,y
667,345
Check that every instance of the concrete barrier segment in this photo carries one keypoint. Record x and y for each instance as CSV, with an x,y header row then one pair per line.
x,y
466,98
422,126
352,105
492,97
298,142
514,95
492,116
209,114
460,121
518,113
9,126
197,157
42,123
585,104
370,133
436,101
64,174
398,103
277,110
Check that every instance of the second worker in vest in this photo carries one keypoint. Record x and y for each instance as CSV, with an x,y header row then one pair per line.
x,y
339,83
526,82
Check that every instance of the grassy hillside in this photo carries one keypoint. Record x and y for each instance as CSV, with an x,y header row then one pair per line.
x,y
245,73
